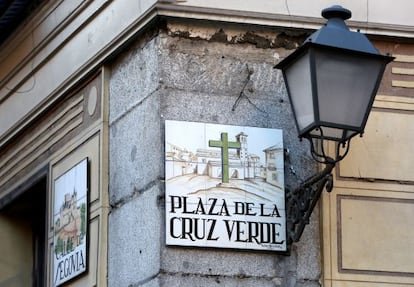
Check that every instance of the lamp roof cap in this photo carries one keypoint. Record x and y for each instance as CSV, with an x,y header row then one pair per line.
x,y
335,33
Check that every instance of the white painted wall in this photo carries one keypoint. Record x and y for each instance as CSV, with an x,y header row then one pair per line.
x,y
398,12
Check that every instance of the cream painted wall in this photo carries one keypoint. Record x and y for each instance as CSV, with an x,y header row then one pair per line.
x,y
17,253
398,12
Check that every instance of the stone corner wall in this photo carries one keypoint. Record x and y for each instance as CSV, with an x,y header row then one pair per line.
x,y
202,72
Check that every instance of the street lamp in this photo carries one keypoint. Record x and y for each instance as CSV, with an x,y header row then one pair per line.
x,y
331,80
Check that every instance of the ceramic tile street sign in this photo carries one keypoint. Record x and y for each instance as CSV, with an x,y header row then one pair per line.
x,y
70,224
224,186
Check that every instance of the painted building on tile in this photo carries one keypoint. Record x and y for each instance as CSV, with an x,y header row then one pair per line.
x,y
243,165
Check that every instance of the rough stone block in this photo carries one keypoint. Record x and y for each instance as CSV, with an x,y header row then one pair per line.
x,y
135,150
217,68
209,262
134,77
309,261
134,240
211,281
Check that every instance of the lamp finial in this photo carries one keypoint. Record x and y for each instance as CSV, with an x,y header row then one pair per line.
x,y
336,11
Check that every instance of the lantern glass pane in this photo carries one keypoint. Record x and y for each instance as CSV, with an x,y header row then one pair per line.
x,y
345,84
300,91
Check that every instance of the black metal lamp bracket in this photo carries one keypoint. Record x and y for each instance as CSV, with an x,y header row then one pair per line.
x,y
301,201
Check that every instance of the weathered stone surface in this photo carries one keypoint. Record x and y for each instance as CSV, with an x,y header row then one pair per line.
x,y
226,263
135,150
309,260
150,282
134,240
134,76
216,68
153,283
182,280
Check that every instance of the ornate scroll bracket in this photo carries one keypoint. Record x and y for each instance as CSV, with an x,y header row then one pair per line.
x,y
301,201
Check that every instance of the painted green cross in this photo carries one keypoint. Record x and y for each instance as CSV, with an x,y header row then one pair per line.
x,y
224,144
